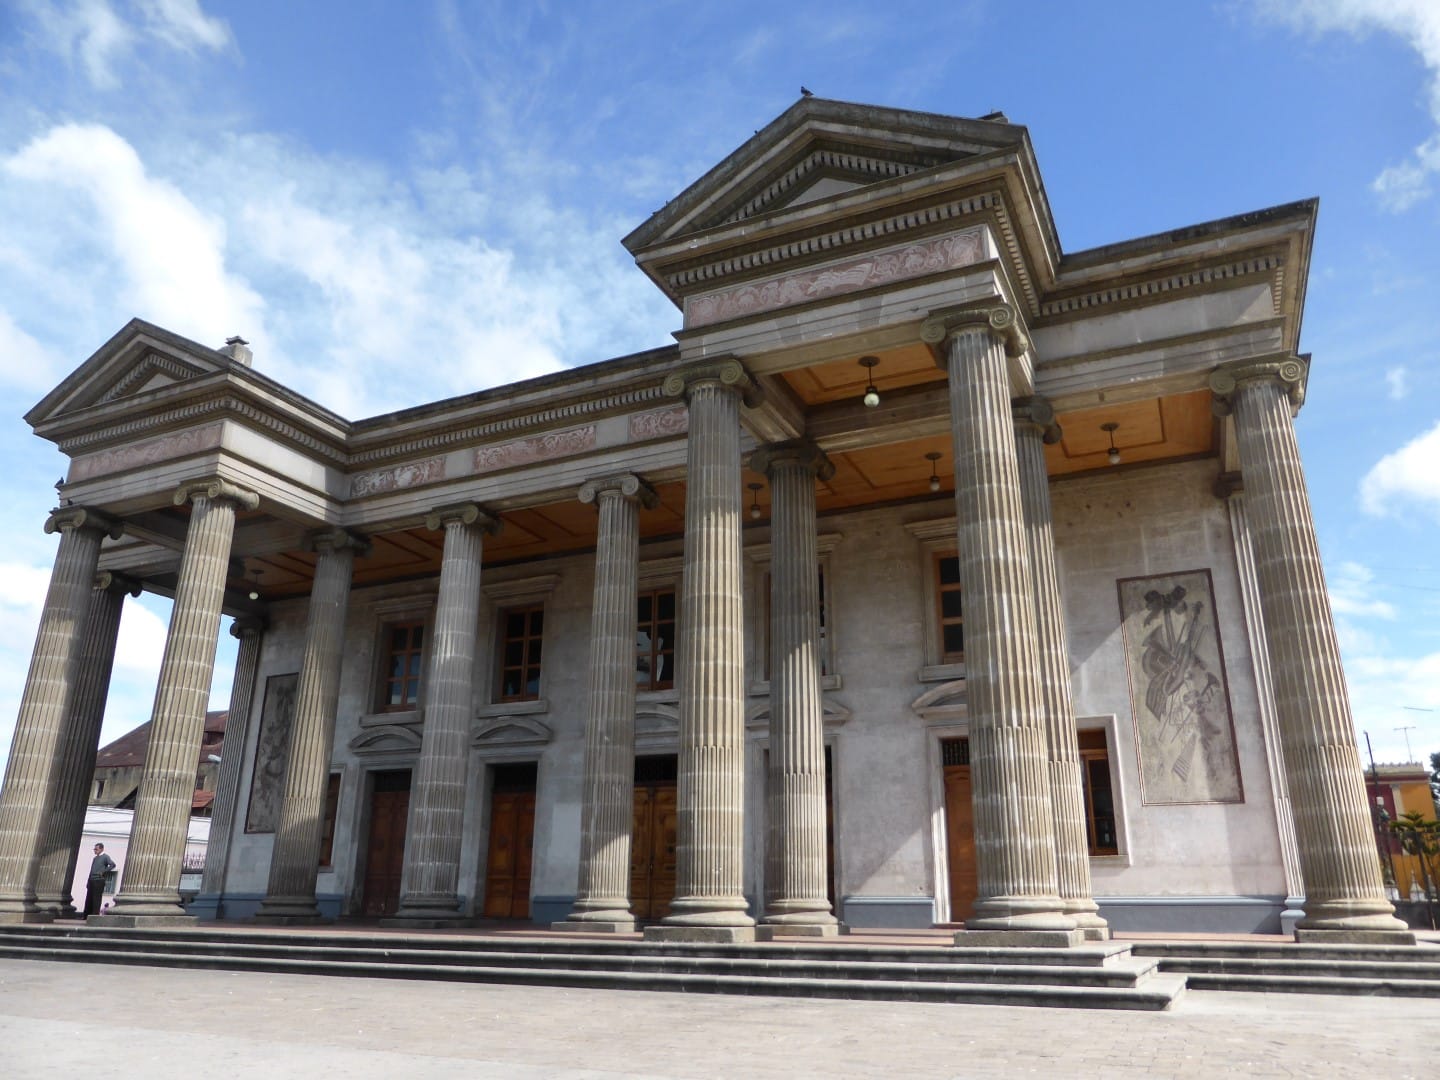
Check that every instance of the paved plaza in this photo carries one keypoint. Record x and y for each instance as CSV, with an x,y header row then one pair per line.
x,y
59,1019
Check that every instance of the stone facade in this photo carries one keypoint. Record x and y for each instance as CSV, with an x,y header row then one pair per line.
x,y
894,686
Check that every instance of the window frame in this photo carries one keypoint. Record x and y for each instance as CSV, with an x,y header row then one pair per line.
x,y
528,659
1108,726
502,597
1088,756
385,663
943,621
936,537
654,594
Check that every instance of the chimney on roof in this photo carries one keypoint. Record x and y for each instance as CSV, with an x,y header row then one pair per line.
x,y
997,116
238,349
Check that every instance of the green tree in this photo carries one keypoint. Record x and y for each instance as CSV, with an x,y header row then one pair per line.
x,y
1420,836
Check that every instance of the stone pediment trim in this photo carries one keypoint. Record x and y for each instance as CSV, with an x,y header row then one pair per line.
x,y
944,702
757,715
684,279
477,433
226,403
151,365
822,161
386,739
1271,266
656,718
511,731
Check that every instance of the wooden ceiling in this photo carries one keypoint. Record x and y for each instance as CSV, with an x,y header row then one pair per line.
x,y
910,365
1147,431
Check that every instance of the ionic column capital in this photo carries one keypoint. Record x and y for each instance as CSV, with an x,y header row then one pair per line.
x,y
624,485
67,518
729,373
114,581
329,541
1291,372
462,514
998,318
247,626
1036,412
799,452
214,488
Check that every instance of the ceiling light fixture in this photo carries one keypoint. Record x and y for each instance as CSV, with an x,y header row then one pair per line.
x,y
872,395
933,456
754,500
255,586
1113,454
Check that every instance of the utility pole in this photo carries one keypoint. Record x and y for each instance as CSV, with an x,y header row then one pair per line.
x,y
1380,818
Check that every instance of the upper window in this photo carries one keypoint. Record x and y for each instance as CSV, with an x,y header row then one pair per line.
x,y
655,640
948,609
404,645
522,631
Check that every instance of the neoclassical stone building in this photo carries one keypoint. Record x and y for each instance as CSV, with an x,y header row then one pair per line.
x,y
934,575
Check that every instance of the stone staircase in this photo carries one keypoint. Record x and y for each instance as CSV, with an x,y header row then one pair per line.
x,y
1100,975
1285,967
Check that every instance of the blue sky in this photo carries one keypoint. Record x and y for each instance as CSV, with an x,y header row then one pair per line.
x,y
399,202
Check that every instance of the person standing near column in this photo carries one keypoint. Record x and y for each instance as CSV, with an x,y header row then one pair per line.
x,y
101,867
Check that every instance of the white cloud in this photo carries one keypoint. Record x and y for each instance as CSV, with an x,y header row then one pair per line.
x,y
24,361
97,37
1352,588
1397,382
171,254
1405,480
1417,23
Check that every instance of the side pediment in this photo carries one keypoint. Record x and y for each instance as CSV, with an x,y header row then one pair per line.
x,y
138,359
818,150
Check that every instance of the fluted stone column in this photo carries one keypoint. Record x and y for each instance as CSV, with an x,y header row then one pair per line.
x,y
79,742
249,630
797,900
430,878
1034,428
602,901
149,889
709,904
295,858
1014,826
1344,891
37,751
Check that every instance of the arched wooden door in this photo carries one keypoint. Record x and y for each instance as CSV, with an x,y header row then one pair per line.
x,y
959,828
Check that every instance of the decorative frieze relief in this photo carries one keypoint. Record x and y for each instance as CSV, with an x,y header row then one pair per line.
x,y
555,444
914,260
659,423
142,454
397,477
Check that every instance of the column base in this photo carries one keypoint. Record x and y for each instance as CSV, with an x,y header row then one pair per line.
x,y
595,926
771,931
706,935
135,920
289,912
1355,937
1020,939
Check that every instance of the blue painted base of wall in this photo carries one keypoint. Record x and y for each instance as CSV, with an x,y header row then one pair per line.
x,y
237,907
888,912
547,909
205,907
1194,914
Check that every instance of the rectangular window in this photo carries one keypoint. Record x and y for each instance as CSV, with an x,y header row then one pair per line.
x,y
655,640
948,609
332,808
1099,797
522,630
404,645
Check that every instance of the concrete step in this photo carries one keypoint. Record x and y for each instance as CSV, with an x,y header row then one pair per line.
x,y
1312,984
1424,953
1408,971
1112,980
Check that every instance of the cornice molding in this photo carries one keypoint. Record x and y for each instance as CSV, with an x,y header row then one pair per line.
x,y
1271,265
141,373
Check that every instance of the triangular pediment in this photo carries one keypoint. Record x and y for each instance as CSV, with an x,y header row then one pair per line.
x,y
140,359
816,151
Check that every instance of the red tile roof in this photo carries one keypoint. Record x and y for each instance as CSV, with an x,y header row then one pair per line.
x,y
130,748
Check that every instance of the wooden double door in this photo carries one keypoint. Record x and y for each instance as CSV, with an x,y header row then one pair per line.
x,y
959,828
512,842
652,842
385,847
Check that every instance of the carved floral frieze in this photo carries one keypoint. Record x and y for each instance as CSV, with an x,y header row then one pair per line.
x,y
150,452
914,260
555,444
397,477
659,423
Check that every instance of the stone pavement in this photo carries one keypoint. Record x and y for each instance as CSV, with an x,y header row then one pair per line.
x,y
59,1019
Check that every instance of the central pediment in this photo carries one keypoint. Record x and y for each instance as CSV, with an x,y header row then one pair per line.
x,y
814,151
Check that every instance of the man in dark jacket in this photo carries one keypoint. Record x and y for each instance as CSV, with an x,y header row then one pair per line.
x,y
100,867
